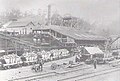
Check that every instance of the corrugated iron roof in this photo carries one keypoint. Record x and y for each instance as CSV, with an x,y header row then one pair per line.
x,y
76,34
18,24
1,51
72,32
94,50
34,19
26,20
42,27
7,24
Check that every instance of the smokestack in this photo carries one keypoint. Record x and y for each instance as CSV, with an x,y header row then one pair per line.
x,y
49,14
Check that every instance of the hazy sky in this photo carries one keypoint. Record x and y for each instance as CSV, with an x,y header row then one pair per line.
x,y
103,11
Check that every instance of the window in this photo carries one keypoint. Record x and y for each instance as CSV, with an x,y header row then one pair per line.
x,y
63,36
58,35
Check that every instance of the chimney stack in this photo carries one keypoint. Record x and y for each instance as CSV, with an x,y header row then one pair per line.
x,y
49,15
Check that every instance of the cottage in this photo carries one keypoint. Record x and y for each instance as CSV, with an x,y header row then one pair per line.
x,y
20,27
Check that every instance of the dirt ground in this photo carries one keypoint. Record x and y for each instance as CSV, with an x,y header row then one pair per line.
x,y
20,72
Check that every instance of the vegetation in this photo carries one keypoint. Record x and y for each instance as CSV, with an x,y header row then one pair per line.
x,y
56,19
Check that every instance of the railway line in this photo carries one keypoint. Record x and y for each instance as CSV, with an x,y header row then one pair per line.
x,y
74,74
90,74
50,74
28,78
77,74
95,75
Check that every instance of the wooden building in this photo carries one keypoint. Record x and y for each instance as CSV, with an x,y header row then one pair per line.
x,y
70,37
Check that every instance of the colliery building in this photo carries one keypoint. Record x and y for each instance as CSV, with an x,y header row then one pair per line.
x,y
66,37
51,36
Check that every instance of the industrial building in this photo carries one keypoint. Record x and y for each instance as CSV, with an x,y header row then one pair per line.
x,y
116,43
67,36
52,36
22,25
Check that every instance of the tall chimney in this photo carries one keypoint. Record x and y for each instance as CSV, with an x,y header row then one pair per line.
x,y
49,14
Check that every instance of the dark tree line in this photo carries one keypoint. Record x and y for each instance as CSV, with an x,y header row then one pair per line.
x,y
70,21
56,19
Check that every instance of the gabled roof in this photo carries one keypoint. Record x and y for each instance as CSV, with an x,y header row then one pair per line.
x,y
42,27
2,51
114,36
93,50
18,24
76,34
72,32
34,19
7,24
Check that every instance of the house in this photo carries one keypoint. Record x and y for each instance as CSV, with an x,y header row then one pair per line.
x,y
20,27
23,25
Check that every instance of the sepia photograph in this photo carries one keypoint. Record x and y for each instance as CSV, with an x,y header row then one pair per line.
x,y
59,40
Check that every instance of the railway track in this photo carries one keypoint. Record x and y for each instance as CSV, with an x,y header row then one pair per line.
x,y
91,74
94,75
74,71
29,78
49,74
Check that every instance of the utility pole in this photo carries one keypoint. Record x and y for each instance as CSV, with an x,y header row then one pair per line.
x,y
6,43
15,48
6,46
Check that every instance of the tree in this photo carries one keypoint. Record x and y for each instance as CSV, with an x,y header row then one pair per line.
x,y
83,25
56,19
13,14
103,32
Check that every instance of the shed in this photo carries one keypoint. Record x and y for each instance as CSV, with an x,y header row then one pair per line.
x,y
2,52
91,52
